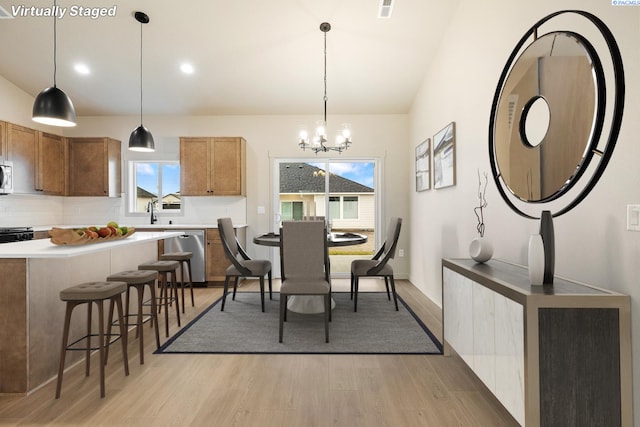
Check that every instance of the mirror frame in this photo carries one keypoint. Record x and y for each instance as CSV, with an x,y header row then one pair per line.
x,y
616,119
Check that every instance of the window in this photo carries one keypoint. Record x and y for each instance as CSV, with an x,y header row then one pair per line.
x,y
350,207
334,207
343,207
290,211
156,182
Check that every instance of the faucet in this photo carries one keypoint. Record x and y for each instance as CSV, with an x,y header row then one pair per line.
x,y
154,219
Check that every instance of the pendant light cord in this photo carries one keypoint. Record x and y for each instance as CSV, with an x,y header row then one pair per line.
x,y
141,74
55,36
325,78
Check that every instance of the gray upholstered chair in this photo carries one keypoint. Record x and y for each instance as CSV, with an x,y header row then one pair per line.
x,y
304,262
241,264
378,266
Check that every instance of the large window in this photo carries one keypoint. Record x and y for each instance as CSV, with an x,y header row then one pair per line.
x,y
157,183
343,191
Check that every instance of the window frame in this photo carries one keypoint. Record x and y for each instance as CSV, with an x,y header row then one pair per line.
x,y
132,198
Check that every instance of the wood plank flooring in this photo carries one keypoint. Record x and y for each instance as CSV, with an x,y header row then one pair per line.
x,y
268,390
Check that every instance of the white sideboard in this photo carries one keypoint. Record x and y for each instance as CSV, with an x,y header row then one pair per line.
x,y
552,355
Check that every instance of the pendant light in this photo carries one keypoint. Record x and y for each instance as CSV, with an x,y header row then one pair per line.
x,y
141,139
52,106
319,141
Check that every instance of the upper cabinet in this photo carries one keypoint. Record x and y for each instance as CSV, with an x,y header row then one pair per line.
x,y
94,167
38,159
213,166
22,150
3,140
51,164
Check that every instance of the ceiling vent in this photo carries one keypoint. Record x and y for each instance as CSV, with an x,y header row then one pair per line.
x,y
386,7
4,14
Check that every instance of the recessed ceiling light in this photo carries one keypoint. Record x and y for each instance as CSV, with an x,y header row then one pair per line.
x,y
186,68
82,69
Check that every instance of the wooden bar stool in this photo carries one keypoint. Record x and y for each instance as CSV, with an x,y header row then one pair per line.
x,y
139,279
88,293
184,258
164,269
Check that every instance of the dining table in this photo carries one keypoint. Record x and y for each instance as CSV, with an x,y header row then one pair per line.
x,y
313,303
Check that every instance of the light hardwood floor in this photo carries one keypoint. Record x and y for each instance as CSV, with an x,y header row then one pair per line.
x,y
268,390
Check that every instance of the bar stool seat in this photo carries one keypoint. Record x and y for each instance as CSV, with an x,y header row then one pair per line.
x,y
88,293
139,279
184,258
164,269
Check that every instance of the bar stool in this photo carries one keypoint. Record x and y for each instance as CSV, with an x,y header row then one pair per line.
x,y
164,269
184,258
88,293
139,279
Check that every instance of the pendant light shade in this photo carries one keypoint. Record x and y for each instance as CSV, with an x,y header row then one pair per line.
x,y
52,106
141,139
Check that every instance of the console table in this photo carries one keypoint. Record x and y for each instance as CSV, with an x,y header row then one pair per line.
x,y
552,355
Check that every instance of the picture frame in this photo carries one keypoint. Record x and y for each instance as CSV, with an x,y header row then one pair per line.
x,y
423,165
444,157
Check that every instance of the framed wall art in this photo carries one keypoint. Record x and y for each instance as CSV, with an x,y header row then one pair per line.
x,y
444,157
423,166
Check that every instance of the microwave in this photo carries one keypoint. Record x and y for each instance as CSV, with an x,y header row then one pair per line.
x,y
6,177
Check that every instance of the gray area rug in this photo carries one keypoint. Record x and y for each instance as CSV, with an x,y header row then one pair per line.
x,y
377,328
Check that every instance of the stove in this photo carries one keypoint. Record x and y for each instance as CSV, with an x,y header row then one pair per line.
x,y
14,234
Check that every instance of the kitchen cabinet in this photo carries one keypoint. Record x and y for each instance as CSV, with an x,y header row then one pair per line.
x,y
38,159
51,164
3,140
94,167
212,166
22,149
216,260
552,355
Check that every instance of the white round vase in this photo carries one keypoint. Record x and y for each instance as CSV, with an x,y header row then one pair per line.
x,y
536,260
481,249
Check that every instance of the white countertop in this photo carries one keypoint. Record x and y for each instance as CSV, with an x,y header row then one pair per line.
x,y
142,226
43,248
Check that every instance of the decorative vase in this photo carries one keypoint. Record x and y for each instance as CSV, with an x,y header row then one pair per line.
x,y
481,249
548,241
536,260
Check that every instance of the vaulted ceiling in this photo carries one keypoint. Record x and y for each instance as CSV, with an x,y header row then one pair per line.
x,y
249,56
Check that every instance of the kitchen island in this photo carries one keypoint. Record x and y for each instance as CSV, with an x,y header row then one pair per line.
x,y
32,274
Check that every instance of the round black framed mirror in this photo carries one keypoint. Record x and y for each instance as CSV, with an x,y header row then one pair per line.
x,y
549,115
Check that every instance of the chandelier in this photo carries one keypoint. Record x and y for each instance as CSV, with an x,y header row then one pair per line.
x,y
319,141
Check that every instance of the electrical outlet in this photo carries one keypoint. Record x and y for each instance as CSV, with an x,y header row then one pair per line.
x,y
401,252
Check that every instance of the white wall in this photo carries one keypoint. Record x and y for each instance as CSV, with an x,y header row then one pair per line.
x,y
592,243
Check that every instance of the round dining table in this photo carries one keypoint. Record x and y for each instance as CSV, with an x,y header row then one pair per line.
x,y
312,304
333,239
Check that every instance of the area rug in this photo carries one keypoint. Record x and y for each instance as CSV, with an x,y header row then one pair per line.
x,y
377,328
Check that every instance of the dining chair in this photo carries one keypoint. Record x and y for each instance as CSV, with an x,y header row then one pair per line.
x,y
304,266
241,264
378,266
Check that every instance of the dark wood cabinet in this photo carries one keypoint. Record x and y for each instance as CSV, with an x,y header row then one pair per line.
x,y
94,167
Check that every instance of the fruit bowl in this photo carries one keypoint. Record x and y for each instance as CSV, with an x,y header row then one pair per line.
x,y
76,236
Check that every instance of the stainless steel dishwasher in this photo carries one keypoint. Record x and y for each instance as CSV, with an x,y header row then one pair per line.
x,y
192,241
